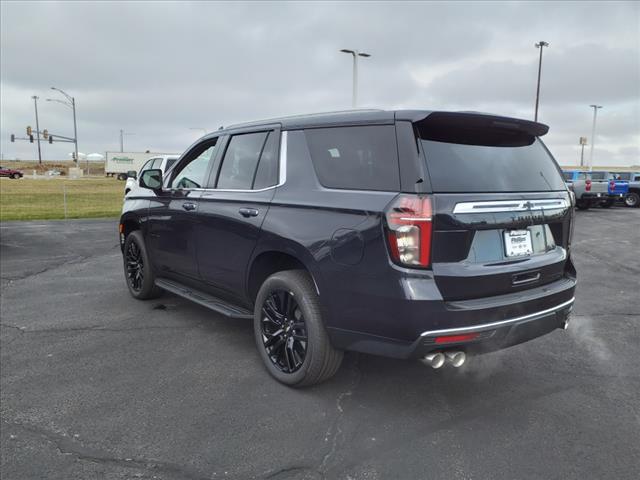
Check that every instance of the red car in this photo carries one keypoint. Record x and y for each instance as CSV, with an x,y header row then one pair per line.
x,y
8,172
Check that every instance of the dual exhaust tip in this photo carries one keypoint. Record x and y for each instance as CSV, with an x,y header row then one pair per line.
x,y
437,359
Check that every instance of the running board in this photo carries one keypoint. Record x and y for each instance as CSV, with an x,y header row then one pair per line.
x,y
204,299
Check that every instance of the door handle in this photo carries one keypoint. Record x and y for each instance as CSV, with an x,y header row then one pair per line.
x,y
248,212
189,206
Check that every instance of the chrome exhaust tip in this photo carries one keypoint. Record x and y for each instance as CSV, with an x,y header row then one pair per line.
x,y
456,358
434,360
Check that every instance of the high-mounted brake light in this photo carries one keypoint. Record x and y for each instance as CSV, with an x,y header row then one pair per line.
x,y
410,227
587,185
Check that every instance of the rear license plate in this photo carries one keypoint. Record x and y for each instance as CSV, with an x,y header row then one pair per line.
x,y
518,243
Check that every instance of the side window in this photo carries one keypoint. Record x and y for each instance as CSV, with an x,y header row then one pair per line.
x,y
636,178
170,162
267,174
240,161
192,174
156,163
147,165
360,158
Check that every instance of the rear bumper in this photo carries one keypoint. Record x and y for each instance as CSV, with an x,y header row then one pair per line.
x,y
499,322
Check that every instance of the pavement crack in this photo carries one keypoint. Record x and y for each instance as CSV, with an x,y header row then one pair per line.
x,y
99,328
69,446
334,434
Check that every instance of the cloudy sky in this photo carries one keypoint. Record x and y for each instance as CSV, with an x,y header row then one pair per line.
x,y
159,70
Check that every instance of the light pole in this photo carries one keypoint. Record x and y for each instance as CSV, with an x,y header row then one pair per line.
x,y
541,44
71,102
355,54
35,103
122,134
593,134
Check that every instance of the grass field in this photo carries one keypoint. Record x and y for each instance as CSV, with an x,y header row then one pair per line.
x,y
28,166
31,199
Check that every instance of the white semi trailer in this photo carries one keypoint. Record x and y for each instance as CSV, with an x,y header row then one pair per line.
x,y
119,163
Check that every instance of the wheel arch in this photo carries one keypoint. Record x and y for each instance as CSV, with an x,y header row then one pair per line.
x,y
268,262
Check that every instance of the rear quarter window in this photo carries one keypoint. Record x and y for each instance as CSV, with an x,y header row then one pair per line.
x,y
355,158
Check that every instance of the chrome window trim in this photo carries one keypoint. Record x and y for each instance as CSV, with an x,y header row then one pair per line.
x,y
282,174
492,325
494,206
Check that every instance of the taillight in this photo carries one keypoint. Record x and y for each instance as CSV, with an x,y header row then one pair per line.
x,y
587,185
612,185
409,229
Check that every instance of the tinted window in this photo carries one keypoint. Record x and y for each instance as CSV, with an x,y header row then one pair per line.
x,y
170,162
360,158
455,167
240,161
598,175
192,174
267,174
568,175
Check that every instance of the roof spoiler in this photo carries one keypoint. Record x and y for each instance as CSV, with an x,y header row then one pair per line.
x,y
470,128
477,120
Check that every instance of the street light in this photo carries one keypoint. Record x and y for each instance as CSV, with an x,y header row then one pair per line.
x,y
71,102
355,54
539,45
35,103
122,134
593,134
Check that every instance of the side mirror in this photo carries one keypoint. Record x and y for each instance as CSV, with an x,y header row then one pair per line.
x,y
132,174
151,179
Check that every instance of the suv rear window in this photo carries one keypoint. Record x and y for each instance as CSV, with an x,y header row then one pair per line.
x,y
357,158
455,167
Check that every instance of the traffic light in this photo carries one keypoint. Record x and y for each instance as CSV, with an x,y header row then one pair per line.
x,y
73,155
13,138
50,138
45,134
29,131
31,138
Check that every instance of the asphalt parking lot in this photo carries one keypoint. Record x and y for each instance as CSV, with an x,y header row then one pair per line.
x,y
95,384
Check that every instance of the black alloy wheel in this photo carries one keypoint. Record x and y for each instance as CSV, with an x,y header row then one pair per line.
x,y
284,332
135,266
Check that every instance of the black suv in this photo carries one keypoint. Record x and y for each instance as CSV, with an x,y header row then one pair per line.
x,y
408,234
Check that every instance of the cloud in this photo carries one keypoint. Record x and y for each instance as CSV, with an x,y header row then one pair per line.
x,y
157,69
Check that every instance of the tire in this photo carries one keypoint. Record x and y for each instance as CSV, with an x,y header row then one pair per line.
x,y
607,204
15,176
289,297
582,205
632,200
139,276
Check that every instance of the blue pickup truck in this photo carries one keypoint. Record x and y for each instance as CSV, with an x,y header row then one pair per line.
x,y
632,197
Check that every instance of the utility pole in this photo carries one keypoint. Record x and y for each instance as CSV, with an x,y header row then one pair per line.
x,y
593,134
35,103
122,134
355,54
541,44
